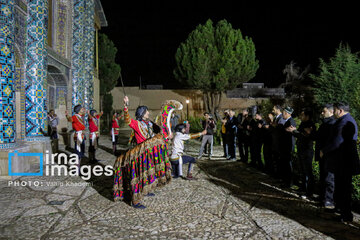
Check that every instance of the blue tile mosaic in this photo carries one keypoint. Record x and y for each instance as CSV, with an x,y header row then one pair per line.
x,y
36,69
7,70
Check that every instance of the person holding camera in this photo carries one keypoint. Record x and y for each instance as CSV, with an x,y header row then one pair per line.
x,y
210,127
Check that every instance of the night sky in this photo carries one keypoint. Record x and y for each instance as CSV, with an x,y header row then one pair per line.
x,y
148,33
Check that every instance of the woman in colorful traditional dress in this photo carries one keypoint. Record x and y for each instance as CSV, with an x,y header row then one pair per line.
x,y
146,166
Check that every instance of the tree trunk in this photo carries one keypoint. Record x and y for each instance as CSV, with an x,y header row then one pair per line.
x,y
206,102
212,102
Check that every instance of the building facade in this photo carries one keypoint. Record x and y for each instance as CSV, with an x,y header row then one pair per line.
x,y
48,60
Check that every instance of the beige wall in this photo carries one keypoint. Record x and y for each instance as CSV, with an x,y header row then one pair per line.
x,y
154,98
96,94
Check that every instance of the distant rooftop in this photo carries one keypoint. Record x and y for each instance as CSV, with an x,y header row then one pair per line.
x,y
253,85
254,92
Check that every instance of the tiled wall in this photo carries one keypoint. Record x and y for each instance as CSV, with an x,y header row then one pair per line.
x,y
7,69
78,53
89,54
36,69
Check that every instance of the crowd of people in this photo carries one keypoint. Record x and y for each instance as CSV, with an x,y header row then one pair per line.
x,y
267,142
275,136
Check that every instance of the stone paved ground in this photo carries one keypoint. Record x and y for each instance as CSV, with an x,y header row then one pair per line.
x,y
229,201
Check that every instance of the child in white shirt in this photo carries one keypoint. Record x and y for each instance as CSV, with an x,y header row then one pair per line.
x,y
177,158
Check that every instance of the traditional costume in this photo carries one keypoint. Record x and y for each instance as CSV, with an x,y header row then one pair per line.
x,y
146,166
94,134
78,126
115,130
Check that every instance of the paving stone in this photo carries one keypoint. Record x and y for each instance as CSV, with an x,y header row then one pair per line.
x,y
42,210
94,205
29,227
70,220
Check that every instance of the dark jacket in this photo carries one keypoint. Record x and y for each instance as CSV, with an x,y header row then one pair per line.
x,y
342,148
209,127
276,130
305,142
231,126
323,135
256,133
287,139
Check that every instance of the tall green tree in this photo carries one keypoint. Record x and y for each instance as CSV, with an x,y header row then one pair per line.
x,y
109,72
298,86
339,79
215,59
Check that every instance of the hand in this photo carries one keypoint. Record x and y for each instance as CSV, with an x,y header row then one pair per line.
x,y
260,125
171,136
203,132
66,113
308,130
290,129
267,126
321,154
126,101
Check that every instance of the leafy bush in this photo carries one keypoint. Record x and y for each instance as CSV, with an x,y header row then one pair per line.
x,y
338,80
356,187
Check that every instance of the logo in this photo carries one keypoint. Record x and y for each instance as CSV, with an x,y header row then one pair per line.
x,y
64,166
11,155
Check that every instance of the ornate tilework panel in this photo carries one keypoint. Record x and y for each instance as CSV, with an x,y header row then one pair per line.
x,y
20,28
89,54
78,53
61,96
61,28
36,69
7,69
18,72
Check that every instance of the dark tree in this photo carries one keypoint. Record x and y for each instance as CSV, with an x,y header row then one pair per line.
x,y
215,59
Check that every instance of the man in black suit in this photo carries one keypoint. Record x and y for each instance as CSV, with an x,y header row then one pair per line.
x,y
231,132
342,150
287,146
323,134
275,129
305,135
243,135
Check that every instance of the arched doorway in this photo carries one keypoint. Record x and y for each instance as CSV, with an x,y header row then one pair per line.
x,y
57,94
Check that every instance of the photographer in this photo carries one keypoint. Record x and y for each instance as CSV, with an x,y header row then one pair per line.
x,y
210,127
53,121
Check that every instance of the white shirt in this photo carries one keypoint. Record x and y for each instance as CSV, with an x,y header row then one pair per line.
x,y
178,144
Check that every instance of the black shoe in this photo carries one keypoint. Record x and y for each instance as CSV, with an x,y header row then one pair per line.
x,y
344,219
139,206
150,195
328,205
94,161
